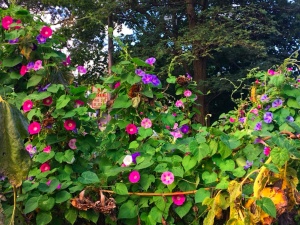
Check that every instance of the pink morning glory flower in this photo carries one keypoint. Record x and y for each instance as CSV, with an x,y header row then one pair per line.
x,y
134,176
45,167
46,31
117,85
176,134
179,103
48,101
150,61
72,144
267,150
38,65
187,93
6,22
146,123
231,120
23,70
27,105
131,129
34,128
81,70
167,177
69,124
47,149
127,160
178,199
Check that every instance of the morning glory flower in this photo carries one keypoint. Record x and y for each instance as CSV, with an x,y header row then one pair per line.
x,y
258,126
150,61
268,117
290,119
277,103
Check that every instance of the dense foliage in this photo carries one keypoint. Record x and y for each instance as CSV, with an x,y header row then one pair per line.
x,y
140,159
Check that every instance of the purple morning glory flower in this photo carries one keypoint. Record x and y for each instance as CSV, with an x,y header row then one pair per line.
x,y
242,119
2,177
134,155
30,65
13,41
264,98
290,119
155,81
147,79
268,117
258,126
41,39
41,89
248,165
277,103
268,107
185,128
140,72
150,61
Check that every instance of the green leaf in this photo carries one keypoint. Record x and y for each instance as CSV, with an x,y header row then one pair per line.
x,y
145,132
293,103
184,209
139,62
224,150
62,101
188,163
230,142
122,102
133,145
201,194
88,177
128,210
267,205
146,180
239,172
148,93
44,157
280,156
223,184
15,162
227,165
46,203
62,196
121,189
89,215
54,88
71,215
277,80
31,204
209,177
144,164
156,214
34,80
51,54
12,61
43,218
171,79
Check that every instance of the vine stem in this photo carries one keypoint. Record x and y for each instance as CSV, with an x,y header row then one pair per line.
x,y
157,194
259,177
12,220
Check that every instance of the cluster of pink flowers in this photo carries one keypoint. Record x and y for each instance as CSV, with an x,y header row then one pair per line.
x,y
7,21
37,65
45,33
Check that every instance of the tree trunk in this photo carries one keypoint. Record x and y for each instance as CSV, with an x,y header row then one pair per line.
x,y
110,43
199,64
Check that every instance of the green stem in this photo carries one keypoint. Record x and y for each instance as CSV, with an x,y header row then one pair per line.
x,y
12,220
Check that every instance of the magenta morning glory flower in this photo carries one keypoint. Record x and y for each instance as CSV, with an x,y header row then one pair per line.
x,y
150,61
258,126
268,117
67,61
6,22
81,70
131,129
37,65
267,150
134,176
277,103
178,199
185,129
41,39
46,31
